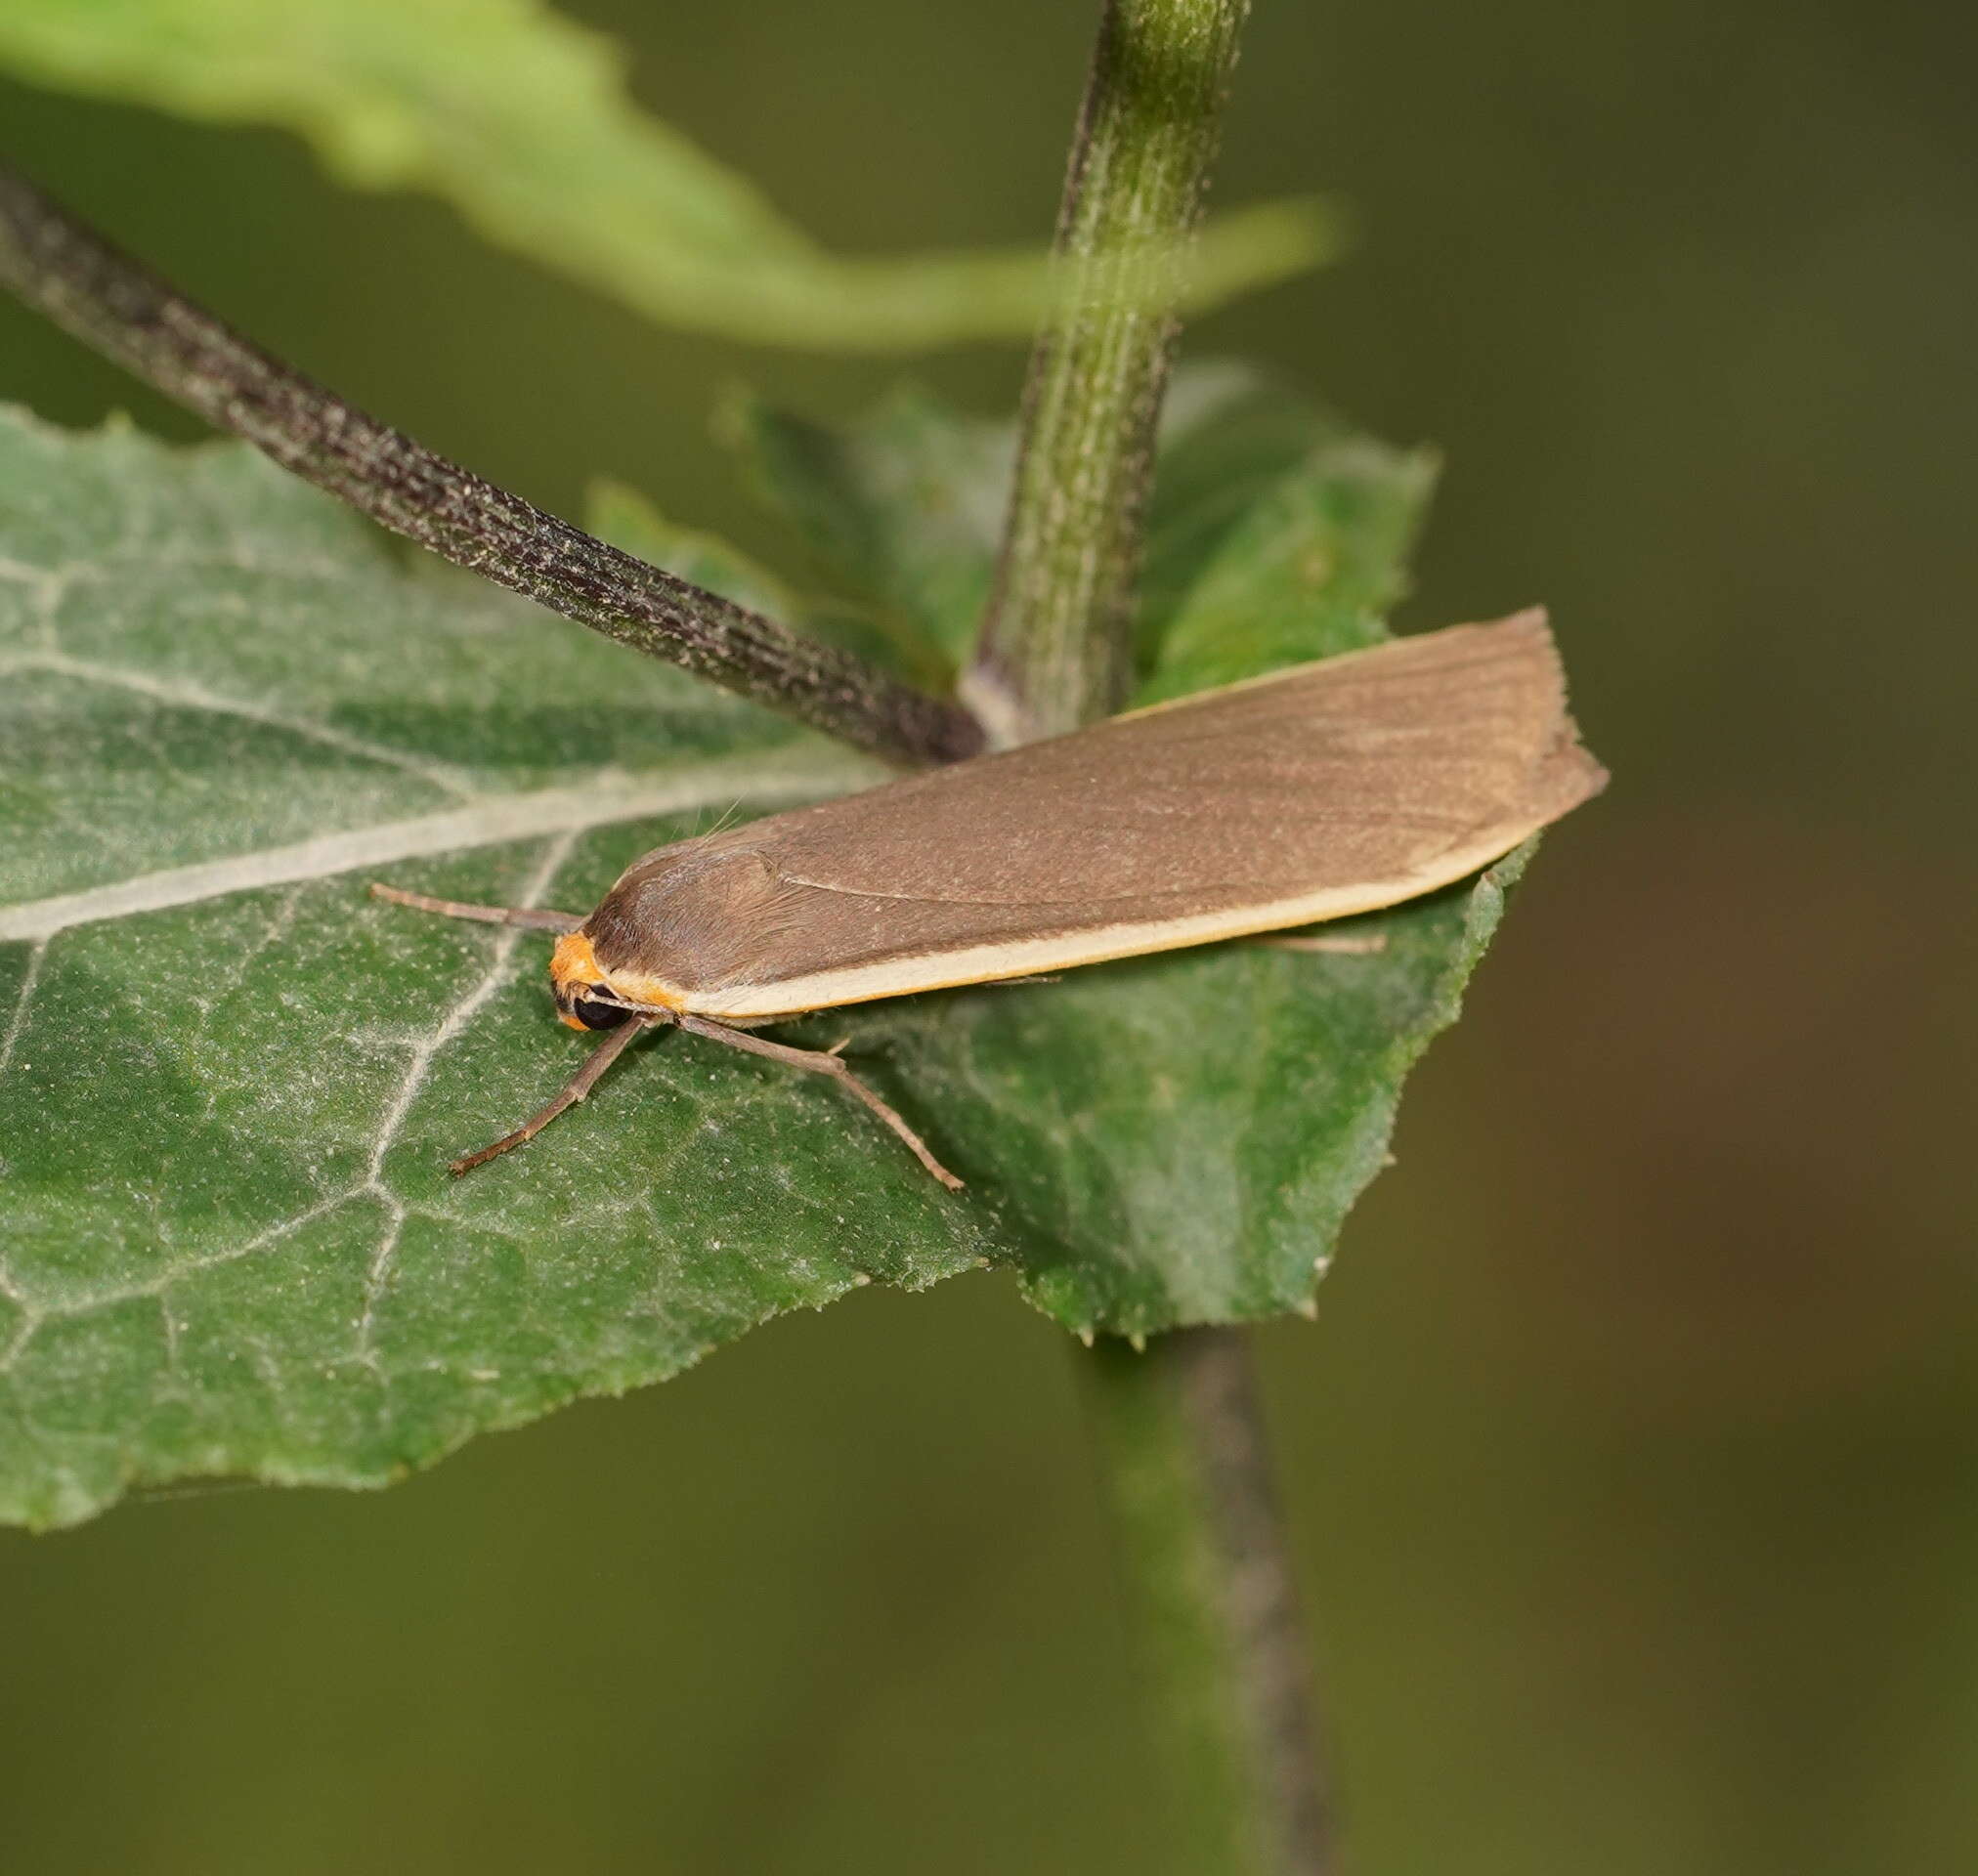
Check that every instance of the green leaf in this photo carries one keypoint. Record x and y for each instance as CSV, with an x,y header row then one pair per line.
x,y
520,120
1276,534
900,510
1172,1140
230,1082
1177,1139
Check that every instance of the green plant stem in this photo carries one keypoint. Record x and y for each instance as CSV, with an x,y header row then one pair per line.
x,y
1180,1441
65,270
1057,646
1178,1428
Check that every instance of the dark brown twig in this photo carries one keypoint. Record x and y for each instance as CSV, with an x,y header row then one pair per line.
x,y
109,301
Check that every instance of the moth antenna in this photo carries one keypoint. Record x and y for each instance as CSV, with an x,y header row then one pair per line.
x,y
580,1084
821,1061
530,918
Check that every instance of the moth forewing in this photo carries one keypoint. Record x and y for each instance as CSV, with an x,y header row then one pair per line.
x,y
1311,793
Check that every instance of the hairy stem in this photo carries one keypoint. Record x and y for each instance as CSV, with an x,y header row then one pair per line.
x,y
1057,646
112,303
1181,1441
1178,1432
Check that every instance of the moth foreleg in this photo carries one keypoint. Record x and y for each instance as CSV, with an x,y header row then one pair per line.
x,y
573,1091
530,918
821,1061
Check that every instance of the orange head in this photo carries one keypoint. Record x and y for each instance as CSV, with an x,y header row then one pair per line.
x,y
578,979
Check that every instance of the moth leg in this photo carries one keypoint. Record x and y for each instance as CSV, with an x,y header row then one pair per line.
x,y
531,917
1344,943
580,1084
823,1062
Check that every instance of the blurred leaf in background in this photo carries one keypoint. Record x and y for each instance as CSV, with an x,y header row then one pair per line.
x,y
520,119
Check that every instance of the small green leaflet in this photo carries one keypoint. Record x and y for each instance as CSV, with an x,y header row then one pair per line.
x,y
229,1081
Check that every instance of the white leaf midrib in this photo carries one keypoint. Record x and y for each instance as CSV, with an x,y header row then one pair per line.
x,y
759,781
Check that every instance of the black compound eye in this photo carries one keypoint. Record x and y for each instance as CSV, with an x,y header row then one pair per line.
x,y
593,1015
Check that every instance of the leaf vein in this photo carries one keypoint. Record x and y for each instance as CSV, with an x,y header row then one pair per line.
x,y
442,776
500,960
18,1023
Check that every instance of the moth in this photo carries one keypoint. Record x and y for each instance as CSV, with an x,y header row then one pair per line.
x,y
1311,794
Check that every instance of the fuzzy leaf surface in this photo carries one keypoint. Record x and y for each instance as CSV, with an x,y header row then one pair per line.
x,y
230,1082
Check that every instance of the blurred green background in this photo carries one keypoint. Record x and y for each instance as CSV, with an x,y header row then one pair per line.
x,y
1633,1460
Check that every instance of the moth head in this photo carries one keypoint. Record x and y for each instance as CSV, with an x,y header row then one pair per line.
x,y
584,999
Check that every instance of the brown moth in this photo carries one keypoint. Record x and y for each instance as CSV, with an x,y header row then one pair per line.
x,y
1311,794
